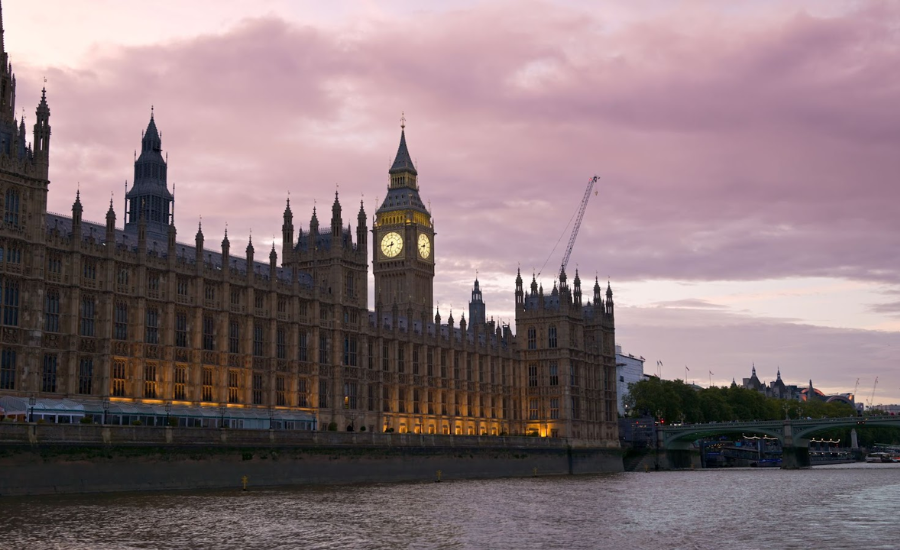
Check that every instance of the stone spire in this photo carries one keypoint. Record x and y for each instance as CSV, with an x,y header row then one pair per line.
x,y
287,234
402,161
336,221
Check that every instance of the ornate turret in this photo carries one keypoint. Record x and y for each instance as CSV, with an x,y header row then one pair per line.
x,y
76,217
226,247
361,243
313,230
609,300
250,252
273,263
198,244
437,319
41,134
477,315
149,197
577,291
111,224
520,293
336,221
287,234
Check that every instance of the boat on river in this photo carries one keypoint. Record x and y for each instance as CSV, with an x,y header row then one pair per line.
x,y
879,457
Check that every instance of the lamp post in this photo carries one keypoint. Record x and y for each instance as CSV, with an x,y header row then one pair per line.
x,y
31,401
168,409
222,409
271,418
105,409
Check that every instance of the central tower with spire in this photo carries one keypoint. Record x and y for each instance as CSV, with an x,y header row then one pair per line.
x,y
403,244
149,198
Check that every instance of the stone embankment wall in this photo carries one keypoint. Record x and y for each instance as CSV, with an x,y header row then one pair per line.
x,y
46,459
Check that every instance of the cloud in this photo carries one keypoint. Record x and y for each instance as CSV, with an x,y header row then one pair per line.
x,y
741,148
689,303
728,344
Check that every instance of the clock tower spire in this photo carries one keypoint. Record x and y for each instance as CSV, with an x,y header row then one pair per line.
x,y
403,247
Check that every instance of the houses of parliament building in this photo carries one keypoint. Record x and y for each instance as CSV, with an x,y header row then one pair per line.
x,y
124,323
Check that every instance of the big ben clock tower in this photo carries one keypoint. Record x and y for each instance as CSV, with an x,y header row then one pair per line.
x,y
403,247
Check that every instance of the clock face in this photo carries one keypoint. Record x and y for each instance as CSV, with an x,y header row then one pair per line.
x,y
391,244
424,246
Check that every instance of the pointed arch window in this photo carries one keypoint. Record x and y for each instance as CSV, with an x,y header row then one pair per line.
x,y
551,333
51,311
9,292
532,338
11,208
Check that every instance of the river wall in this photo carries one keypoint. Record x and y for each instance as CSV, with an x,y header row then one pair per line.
x,y
49,458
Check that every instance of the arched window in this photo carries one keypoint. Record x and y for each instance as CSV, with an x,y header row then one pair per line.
x,y
51,311
532,338
11,213
551,340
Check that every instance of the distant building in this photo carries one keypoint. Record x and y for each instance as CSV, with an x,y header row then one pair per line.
x,y
629,369
779,390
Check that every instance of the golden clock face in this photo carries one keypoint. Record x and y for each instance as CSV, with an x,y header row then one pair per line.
x,y
391,244
424,246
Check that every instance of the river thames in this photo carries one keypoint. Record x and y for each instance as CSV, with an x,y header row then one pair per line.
x,y
825,507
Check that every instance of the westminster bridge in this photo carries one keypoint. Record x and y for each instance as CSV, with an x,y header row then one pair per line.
x,y
675,443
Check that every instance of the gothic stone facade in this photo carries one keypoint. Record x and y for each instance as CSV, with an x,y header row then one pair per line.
x,y
128,313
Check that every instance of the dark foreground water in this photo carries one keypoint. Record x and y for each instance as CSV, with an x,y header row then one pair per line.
x,y
852,506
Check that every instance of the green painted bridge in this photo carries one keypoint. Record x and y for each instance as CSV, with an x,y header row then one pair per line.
x,y
674,442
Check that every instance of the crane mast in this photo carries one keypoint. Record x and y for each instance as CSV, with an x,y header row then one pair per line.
x,y
577,226
872,399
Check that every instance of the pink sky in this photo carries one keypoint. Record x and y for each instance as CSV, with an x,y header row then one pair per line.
x,y
748,151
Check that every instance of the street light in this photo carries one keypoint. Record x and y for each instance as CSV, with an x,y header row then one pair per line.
x,y
271,418
31,402
168,409
222,409
105,409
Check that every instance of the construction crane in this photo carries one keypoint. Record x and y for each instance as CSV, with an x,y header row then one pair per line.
x,y
578,217
872,399
855,388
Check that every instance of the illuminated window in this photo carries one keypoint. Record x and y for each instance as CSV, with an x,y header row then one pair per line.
x,y
302,395
180,381
207,387
234,392
280,397
118,378
150,381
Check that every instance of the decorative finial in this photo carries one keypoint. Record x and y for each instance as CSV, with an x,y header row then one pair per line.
x,y
402,120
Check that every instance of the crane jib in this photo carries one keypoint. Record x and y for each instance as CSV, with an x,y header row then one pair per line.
x,y
581,209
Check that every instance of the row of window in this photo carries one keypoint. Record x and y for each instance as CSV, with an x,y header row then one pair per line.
x,y
50,366
552,340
